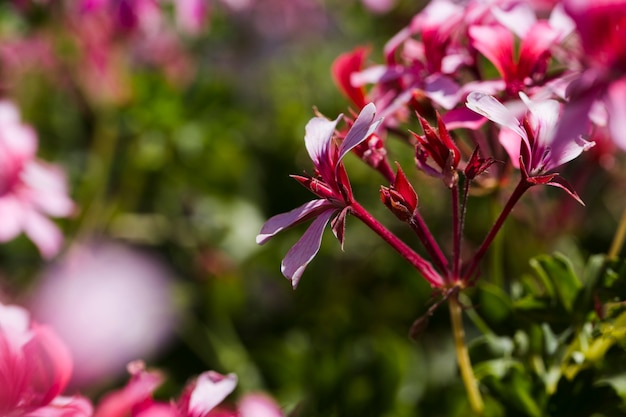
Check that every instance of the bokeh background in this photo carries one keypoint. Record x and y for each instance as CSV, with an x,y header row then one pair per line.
x,y
178,140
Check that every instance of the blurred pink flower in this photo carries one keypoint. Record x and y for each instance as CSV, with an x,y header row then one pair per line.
x,y
35,367
111,304
200,398
30,190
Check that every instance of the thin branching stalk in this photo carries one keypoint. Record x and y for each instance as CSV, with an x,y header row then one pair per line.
x,y
462,356
421,265
521,188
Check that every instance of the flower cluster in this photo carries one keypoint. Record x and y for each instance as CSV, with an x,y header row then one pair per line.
x,y
37,366
547,76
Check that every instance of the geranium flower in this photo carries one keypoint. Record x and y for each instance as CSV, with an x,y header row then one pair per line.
x,y
30,190
530,142
35,367
330,183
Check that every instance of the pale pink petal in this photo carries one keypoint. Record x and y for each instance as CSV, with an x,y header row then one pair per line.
x,y
363,127
11,217
573,124
511,142
495,111
258,405
283,221
211,388
462,118
191,14
518,19
303,252
158,410
379,6
319,133
47,188
43,232
544,118
561,22
616,98
443,90
65,407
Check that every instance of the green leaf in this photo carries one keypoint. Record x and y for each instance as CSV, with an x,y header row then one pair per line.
x,y
559,271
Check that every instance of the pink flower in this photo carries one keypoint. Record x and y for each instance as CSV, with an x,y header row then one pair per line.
x,y
330,183
30,190
35,367
200,398
101,295
601,26
531,142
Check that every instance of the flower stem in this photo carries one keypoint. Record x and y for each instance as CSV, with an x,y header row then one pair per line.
x,y
456,232
521,188
420,228
423,267
618,239
462,356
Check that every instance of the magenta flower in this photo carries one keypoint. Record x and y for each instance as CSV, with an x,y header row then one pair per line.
x,y
601,26
35,367
330,183
30,190
537,153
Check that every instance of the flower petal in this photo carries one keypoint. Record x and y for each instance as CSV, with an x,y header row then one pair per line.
x,y
210,389
305,249
283,221
319,133
258,405
363,126
616,97
495,111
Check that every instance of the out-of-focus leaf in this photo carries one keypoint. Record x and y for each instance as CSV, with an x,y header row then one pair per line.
x,y
558,270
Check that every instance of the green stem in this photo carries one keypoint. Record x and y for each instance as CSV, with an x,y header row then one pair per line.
x,y
465,366
618,239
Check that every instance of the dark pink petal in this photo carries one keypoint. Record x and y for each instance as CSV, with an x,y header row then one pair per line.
x,y
209,390
495,43
50,363
495,111
535,49
299,256
363,127
258,405
283,221
463,118
343,68
137,392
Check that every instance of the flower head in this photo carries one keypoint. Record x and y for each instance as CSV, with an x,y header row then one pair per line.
x,y
330,183
530,142
36,367
30,190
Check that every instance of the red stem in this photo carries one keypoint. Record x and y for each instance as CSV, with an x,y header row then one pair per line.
x,y
423,267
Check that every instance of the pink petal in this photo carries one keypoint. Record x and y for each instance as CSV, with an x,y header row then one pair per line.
x,y
43,232
303,252
138,390
511,142
518,19
535,47
65,407
258,405
283,221
47,188
495,43
362,128
11,217
616,98
211,388
319,133
495,111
